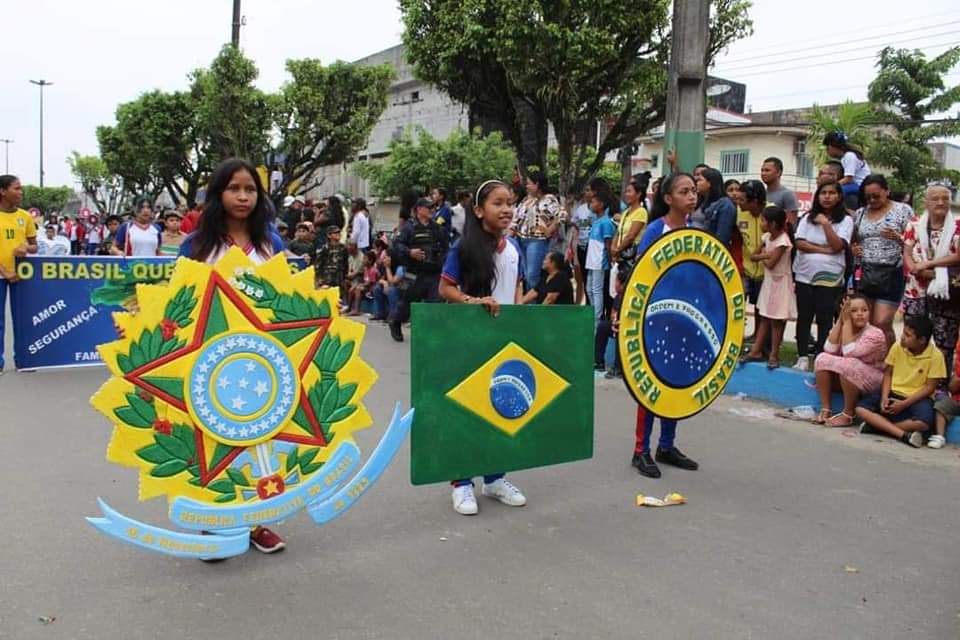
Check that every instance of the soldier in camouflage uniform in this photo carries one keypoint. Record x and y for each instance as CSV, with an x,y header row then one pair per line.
x,y
330,262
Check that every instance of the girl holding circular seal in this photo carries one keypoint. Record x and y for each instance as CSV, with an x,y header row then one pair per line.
x,y
237,214
675,201
485,267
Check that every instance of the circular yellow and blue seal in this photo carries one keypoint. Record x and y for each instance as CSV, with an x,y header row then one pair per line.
x,y
681,323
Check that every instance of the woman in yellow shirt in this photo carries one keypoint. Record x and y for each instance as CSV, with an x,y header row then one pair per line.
x,y
18,237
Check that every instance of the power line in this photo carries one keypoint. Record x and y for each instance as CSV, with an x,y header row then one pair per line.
x,y
951,75
842,51
823,64
832,37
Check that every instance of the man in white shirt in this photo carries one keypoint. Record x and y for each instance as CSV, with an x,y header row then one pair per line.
x,y
361,225
458,212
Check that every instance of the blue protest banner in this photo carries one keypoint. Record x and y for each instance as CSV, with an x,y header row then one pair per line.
x,y
62,305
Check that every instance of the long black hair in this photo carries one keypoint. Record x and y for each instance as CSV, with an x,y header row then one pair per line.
x,y
839,139
212,230
335,212
7,181
477,247
838,213
715,178
539,178
660,206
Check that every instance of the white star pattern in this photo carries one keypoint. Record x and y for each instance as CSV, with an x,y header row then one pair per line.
x,y
231,343
221,349
244,432
224,382
203,367
261,388
231,432
287,380
243,383
212,358
200,378
250,366
238,403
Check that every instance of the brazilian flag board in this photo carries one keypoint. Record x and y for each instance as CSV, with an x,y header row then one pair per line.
x,y
499,394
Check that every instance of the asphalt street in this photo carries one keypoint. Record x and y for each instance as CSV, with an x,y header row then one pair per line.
x,y
791,531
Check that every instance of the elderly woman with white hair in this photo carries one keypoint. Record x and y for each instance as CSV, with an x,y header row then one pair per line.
x,y
931,244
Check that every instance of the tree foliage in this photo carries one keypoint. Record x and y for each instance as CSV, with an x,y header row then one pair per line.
x,y
46,199
856,119
172,140
96,180
910,93
520,64
324,115
420,161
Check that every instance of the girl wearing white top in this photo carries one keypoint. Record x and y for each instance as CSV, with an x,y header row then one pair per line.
x,y
140,236
236,215
485,267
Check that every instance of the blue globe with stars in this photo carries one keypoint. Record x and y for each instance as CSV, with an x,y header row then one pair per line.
x,y
243,388
513,389
686,324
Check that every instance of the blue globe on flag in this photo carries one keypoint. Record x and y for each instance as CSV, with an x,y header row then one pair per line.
x,y
686,324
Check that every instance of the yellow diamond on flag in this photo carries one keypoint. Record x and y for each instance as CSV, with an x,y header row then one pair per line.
x,y
509,389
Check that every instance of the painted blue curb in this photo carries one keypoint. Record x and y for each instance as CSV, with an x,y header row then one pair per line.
x,y
788,388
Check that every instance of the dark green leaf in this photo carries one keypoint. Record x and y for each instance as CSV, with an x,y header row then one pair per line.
x,y
310,468
186,435
173,445
222,486
124,363
145,409
227,497
154,454
219,453
342,356
307,456
194,481
346,393
137,358
132,418
170,386
329,402
167,469
300,419
216,320
342,413
238,478
323,311
291,460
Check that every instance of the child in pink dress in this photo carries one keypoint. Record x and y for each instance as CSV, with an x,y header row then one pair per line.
x,y
777,302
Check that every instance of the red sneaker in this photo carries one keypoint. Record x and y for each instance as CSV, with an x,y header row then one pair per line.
x,y
266,541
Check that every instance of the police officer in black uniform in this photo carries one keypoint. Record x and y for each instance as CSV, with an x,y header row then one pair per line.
x,y
422,247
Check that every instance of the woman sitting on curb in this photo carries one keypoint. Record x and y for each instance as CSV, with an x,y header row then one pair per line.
x,y
851,362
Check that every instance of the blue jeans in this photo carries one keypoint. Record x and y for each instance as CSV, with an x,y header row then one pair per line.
x,y
595,290
379,302
486,480
534,251
4,287
668,432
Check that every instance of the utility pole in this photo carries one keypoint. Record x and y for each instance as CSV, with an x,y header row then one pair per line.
x,y
41,83
6,154
686,86
235,25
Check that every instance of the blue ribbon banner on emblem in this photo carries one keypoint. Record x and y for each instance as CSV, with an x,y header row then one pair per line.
x,y
319,495
190,514
173,543
396,433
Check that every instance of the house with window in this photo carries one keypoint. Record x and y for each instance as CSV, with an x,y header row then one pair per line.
x,y
737,144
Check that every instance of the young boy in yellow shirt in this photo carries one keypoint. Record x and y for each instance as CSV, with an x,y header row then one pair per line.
x,y
903,408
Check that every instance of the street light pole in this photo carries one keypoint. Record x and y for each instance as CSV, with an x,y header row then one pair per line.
x,y
41,83
6,154
235,25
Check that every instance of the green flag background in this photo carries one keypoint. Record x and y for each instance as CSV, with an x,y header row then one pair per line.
x,y
452,342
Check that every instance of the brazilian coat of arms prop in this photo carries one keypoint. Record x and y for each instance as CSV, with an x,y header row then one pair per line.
x,y
681,323
235,390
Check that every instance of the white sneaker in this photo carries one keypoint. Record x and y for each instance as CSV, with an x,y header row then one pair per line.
x,y
505,493
464,502
936,442
803,364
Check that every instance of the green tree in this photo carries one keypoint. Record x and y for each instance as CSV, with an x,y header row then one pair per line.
x,y
232,113
46,199
856,119
324,115
520,64
156,145
910,93
96,181
420,161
